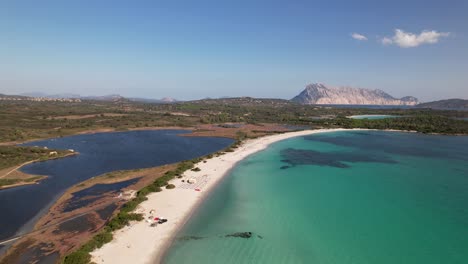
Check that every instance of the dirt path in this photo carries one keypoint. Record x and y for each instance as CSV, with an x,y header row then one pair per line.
x,y
26,163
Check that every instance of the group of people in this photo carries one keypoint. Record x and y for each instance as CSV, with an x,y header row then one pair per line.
x,y
154,221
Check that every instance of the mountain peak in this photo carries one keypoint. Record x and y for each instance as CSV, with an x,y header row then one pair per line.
x,y
319,93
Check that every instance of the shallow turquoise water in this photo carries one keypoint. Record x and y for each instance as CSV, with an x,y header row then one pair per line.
x,y
345,197
372,117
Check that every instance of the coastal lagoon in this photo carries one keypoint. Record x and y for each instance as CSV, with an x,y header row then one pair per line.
x,y
373,117
98,153
341,197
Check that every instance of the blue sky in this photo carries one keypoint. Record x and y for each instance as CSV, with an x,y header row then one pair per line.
x,y
198,49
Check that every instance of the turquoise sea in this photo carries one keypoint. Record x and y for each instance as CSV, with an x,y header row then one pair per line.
x,y
343,197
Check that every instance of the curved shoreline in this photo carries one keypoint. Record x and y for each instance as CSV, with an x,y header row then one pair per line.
x,y
141,243
25,181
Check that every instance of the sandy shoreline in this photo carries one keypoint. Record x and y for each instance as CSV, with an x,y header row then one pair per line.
x,y
141,243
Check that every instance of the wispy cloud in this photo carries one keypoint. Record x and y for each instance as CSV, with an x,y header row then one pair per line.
x,y
358,36
410,40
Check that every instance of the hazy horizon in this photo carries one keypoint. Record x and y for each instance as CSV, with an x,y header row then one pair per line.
x,y
269,49
69,95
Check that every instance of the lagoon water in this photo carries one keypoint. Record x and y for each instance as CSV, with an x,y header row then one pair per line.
x,y
373,117
99,153
343,197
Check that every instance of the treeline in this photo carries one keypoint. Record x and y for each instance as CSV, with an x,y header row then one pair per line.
x,y
30,120
419,123
33,120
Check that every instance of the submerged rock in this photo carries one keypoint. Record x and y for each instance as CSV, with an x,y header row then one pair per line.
x,y
241,235
185,238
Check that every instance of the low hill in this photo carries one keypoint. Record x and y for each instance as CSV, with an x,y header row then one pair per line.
x,y
458,104
245,101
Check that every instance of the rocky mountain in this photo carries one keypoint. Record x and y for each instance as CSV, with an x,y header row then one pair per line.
x,y
458,104
318,93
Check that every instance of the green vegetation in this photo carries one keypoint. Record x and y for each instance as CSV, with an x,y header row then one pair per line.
x,y
4,182
420,123
9,181
24,120
13,156
170,186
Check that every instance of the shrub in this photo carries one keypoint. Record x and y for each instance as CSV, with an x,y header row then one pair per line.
x,y
170,186
77,257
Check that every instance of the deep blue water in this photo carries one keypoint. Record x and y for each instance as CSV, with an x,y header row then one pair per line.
x,y
99,153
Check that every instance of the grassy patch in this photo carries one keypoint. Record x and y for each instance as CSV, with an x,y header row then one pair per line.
x,y
11,156
6,182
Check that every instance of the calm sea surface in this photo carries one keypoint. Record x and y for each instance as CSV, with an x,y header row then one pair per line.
x,y
99,153
345,197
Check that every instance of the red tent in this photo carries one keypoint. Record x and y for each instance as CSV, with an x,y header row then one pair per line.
x,y
156,218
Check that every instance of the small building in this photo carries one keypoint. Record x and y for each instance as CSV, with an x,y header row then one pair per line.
x,y
53,153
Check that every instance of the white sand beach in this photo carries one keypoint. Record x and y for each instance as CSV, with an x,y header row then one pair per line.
x,y
141,243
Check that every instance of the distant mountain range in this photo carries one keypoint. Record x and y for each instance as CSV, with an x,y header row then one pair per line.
x,y
110,97
459,104
318,93
40,94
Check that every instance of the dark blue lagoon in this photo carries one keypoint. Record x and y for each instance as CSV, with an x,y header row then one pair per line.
x,y
362,197
99,153
373,117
